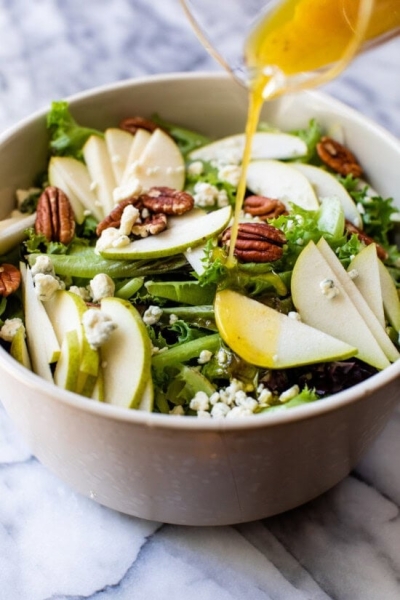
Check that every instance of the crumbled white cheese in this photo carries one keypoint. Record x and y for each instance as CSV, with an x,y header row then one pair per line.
x,y
222,199
145,213
128,218
292,314
200,402
152,315
239,411
195,168
230,174
328,288
353,273
10,328
111,238
43,264
133,188
101,286
46,286
360,208
97,326
203,413
219,410
289,394
264,395
222,357
205,357
83,292
205,194
173,319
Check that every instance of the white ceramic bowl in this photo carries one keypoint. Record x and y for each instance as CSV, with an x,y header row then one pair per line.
x,y
184,469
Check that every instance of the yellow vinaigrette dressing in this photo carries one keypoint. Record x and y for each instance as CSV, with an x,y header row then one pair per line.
x,y
301,44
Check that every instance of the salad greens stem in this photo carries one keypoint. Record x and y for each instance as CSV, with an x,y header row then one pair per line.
x,y
185,352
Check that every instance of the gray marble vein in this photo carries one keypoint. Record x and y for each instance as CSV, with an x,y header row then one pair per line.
x,y
57,545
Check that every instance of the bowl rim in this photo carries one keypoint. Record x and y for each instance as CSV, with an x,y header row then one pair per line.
x,y
177,422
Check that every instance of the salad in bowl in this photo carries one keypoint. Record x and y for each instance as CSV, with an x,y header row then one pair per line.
x,y
116,282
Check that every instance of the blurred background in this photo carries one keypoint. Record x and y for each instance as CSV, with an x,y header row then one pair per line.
x,y
54,48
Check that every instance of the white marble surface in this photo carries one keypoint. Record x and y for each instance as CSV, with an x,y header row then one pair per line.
x,y
57,545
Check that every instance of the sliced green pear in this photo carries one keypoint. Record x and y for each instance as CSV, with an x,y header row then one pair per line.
x,y
139,142
65,311
42,342
147,401
331,217
282,181
98,388
365,266
100,170
327,186
160,164
67,368
267,338
186,231
196,257
265,145
57,179
390,296
119,143
72,176
359,301
126,355
13,233
19,349
337,315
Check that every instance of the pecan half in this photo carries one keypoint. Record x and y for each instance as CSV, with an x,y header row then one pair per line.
x,y
10,279
54,216
132,124
338,157
263,207
114,218
152,225
366,239
167,200
256,242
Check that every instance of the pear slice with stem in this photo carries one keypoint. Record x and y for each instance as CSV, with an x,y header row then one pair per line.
x,y
267,338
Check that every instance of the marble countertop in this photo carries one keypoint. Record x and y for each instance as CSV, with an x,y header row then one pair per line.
x,y
55,544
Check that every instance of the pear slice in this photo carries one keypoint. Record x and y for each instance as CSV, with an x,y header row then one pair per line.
x,y
335,316
147,401
126,355
187,231
19,349
390,297
267,338
282,181
100,170
57,179
138,144
13,233
98,388
72,176
359,301
195,257
67,368
327,186
368,280
65,311
119,143
265,145
41,339
160,164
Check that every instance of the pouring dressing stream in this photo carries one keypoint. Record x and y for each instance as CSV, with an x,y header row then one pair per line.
x,y
299,44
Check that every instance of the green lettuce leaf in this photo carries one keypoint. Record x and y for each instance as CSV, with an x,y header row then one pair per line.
x,y
67,137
